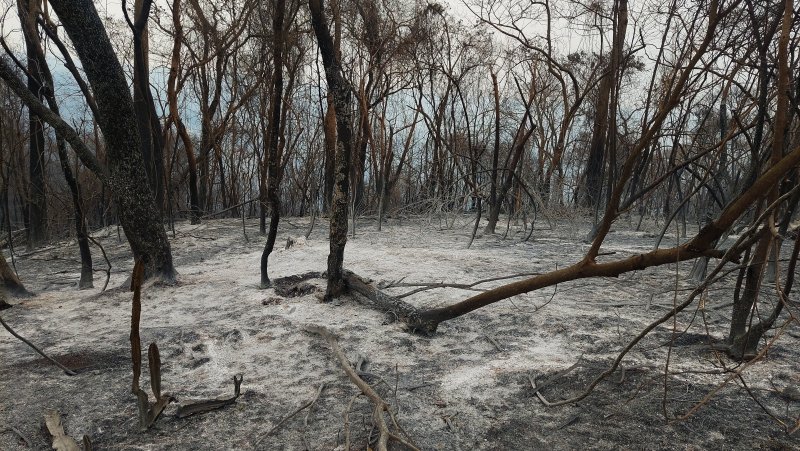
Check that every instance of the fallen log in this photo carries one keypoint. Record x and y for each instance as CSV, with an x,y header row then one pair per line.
x,y
398,308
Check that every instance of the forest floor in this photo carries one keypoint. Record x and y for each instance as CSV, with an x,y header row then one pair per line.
x,y
466,388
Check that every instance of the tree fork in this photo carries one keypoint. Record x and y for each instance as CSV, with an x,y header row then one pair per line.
x,y
138,212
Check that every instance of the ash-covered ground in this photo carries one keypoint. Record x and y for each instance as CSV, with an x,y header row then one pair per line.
x,y
468,387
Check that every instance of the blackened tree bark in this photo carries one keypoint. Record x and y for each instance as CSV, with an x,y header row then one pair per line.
x,y
36,208
605,111
511,162
81,230
341,191
46,90
700,266
330,153
492,223
151,139
745,330
137,208
273,154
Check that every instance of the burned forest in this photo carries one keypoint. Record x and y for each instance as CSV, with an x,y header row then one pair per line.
x,y
399,225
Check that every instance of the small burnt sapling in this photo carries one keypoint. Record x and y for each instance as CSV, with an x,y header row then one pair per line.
x,y
147,414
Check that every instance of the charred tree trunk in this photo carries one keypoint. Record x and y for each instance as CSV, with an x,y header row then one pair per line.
x,y
36,208
81,231
510,166
151,139
605,109
493,202
137,209
273,156
343,109
204,191
359,165
745,330
700,266
330,153
46,90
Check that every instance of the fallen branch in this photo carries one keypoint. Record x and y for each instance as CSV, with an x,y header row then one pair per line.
x,y
550,380
22,339
398,308
698,246
217,213
384,433
729,255
292,415
424,286
538,393
537,388
493,342
199,407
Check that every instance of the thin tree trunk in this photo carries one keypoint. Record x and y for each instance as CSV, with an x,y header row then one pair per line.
x,y
273,157
745,332
492,220
151,138
343,109
36,208
36,52
330,152
172,97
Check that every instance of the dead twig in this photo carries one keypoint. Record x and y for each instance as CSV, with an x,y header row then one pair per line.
x,y
425,286
735,374
147,414
347,421
381,406
494,342
760,404
417,387
537,388
32,346
732,254
212,404
105,257
538,393
308,414
313,401
550,380
292,415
